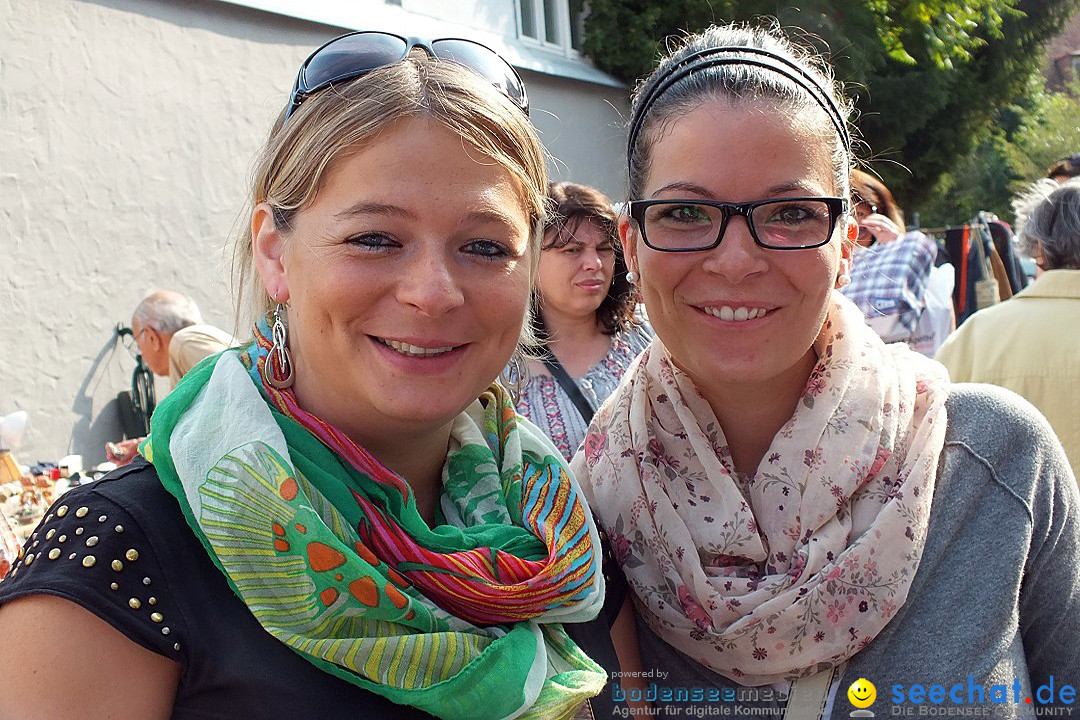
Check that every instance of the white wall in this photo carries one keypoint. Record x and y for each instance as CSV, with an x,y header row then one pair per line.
x,y
127,131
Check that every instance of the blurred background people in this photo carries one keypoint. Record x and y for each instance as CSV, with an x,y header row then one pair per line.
x,y
893,279
1064,169
585,323
172,338
1030,344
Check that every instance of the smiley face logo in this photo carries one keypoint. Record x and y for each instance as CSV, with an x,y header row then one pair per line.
x,y
862,693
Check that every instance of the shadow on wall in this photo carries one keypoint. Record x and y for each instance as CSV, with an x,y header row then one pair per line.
x,y
91,431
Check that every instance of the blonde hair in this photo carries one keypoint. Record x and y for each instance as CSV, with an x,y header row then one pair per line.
x,y
339,121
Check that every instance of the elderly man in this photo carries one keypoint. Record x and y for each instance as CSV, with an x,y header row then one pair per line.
x,y
172,339
1029,344
171,335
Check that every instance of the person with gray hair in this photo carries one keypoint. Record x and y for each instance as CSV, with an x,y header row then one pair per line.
x,y
1025,344
171,336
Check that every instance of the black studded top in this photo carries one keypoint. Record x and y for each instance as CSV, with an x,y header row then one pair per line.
x,y
121,548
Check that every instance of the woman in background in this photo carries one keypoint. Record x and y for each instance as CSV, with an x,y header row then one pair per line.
x,y
893,279
584,320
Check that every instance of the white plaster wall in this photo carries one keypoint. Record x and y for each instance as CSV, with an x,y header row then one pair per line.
x,y
127,131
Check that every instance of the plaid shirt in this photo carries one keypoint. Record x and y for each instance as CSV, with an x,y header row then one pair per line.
x,y
891,278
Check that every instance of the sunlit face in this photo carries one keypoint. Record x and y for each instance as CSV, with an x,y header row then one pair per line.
x,y
407,281
575,278
738,314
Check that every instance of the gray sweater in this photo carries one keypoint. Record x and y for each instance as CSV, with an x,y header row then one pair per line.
x,y
996,596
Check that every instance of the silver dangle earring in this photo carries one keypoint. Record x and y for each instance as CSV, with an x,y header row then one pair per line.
x,y
631,277
514,376
278,369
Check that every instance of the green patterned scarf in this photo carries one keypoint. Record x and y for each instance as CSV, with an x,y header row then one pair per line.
x,y
327,549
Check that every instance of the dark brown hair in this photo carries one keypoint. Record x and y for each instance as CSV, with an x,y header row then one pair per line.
x,y
867,188
571,205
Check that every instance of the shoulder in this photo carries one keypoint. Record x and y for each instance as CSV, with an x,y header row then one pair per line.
x,y
203,334
106,546
995,430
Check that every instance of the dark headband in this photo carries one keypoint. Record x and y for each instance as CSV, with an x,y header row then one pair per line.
x,y
703,59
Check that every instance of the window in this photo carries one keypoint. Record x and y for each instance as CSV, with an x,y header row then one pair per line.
x,y
555,24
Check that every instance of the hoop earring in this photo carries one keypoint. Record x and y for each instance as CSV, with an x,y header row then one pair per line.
x,y
514,376
631,277
842,281
278,367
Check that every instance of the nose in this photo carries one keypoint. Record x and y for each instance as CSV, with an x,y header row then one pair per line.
x,y
430,284
590,259
737,257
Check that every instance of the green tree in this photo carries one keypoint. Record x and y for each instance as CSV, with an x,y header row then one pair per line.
x,y
1025,139
927,76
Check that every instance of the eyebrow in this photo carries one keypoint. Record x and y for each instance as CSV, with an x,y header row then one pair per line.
x,y
482,215
706,193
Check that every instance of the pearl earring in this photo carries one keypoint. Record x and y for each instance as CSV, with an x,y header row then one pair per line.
x,y
631,277
843,281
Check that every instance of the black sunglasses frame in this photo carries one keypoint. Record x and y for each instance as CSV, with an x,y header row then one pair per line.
x,y
837,206
302,89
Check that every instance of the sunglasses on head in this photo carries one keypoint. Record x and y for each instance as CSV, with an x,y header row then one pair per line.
x,y
350,56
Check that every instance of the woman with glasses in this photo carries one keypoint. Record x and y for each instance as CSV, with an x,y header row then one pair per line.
x,y
795,504
342,518
584,318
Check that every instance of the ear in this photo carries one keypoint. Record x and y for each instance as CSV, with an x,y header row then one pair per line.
x,y
268,250
847,247
628,238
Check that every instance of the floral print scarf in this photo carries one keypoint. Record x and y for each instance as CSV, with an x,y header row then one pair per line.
x,y
795,569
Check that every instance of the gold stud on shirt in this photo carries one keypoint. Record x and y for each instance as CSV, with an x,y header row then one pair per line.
x,y
114,586
81,512
54,553
135,603
132,555
103,518
61,511
146,581
49,535
117,565
92,541
157,617
152,600
89,561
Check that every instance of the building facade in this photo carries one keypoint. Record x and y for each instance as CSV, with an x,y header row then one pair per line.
x,y
127,133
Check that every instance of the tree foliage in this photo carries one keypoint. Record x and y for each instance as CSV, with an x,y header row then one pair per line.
x,y
1023,142
928,77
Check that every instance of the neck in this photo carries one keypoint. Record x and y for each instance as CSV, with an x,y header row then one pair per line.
x,y
577,342
751,414
563,328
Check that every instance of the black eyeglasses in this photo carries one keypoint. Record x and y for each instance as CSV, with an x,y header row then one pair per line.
x,y
355,54
798,223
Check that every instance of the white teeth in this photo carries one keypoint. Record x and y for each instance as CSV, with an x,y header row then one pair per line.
x,y
413,350
739,314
